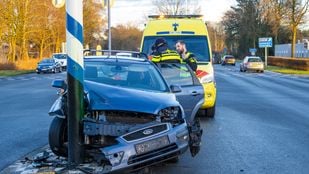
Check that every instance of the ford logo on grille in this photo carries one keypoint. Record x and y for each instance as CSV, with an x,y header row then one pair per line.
x,y
147,131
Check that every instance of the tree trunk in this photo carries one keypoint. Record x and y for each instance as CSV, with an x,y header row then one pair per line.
x,y
294,30
24,50
12,51
41,49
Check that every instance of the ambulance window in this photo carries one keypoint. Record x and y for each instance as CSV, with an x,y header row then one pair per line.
x,y
198,45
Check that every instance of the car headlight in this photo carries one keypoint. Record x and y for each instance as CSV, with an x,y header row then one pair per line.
x,y
171,114
115,158
208,78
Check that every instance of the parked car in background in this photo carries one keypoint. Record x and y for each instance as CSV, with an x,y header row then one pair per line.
x,y
216,58
62,59
132,118
228,59
48,65
252,63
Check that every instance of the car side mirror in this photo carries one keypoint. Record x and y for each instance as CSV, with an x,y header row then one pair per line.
x,y
175,88
59,83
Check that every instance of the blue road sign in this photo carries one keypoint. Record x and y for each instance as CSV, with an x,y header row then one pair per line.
x,y
265,42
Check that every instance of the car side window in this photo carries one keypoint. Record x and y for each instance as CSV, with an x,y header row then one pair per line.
x,y
176,74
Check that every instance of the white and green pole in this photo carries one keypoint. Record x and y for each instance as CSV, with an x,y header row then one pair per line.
x,y
75,78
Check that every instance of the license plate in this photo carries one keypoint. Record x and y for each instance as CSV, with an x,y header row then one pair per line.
x,y
152,145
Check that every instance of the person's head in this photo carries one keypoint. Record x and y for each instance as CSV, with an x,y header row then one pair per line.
x,y
181,46
160,45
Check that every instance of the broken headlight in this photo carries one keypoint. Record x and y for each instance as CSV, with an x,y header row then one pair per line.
x,y
171,114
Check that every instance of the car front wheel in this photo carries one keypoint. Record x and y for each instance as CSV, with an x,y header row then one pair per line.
x,y
58,137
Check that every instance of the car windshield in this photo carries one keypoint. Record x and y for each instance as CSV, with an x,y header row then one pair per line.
x,y
195,44
176,74
47,61
60,56
255,59
125,74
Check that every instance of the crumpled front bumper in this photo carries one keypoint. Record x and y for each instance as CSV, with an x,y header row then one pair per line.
x,y
124,154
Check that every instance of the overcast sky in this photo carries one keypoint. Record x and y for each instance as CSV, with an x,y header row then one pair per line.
x,y
136,11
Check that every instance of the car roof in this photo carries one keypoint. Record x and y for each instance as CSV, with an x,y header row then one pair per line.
x,y
117,58
249,57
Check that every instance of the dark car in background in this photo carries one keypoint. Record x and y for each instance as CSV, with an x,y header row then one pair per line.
x,y
228,60
132,118
48,65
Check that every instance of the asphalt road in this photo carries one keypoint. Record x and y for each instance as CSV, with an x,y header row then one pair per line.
x,y
261,126
24,122
261,123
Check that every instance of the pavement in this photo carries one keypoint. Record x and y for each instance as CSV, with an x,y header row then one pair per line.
x,y
44,161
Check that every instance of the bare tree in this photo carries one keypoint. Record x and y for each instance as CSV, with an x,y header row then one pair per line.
x,y
216,35
176,7
296,10
272,13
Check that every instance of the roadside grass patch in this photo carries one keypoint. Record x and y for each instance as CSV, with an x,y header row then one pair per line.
x,y
284,70
17,68
8,73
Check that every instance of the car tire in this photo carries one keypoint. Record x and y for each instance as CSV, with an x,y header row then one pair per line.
x,y
58,137
210,112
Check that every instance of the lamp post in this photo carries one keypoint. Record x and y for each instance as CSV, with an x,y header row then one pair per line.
x,y
75,76
109,4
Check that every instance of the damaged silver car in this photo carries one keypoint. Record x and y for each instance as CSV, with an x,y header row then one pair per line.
x,y
132,117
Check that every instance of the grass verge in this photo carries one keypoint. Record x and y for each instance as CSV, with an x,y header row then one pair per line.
x,y
8,73
286,70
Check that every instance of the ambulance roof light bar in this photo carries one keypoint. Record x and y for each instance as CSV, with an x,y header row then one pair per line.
x,y
174,16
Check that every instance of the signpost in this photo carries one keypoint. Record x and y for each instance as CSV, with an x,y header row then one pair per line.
x,y
252,51
265,42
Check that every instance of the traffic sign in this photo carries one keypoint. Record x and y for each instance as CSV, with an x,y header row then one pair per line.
x,y
265,42
252,51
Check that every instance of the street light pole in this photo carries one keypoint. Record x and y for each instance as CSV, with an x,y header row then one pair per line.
x,y
109,28
186,7
75,78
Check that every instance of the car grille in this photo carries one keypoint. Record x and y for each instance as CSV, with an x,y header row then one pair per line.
x,y
129,117
138,158
141,134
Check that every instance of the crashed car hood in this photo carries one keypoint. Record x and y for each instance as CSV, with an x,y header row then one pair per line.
x,y
107,97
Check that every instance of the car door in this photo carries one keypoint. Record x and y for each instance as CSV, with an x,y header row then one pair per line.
x,y
191,96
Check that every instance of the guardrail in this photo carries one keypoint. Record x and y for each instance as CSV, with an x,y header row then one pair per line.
x,y
293,63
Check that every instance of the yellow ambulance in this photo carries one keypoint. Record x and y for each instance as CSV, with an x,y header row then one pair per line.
x,y
193,31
